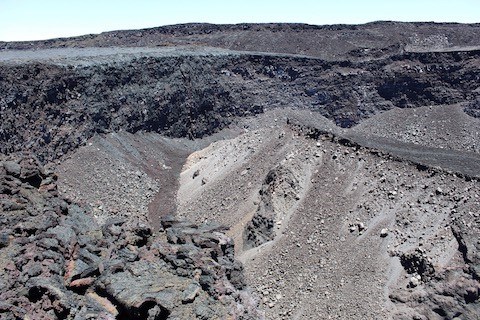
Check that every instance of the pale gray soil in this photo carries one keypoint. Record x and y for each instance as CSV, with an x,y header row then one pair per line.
x,y
98,55
95,55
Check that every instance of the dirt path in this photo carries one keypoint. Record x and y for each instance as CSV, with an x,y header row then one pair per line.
x,y
164,202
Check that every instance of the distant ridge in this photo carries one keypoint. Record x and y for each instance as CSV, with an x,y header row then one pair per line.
x,y
324,41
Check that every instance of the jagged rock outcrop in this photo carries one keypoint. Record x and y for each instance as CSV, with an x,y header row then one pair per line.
x,y
56,262
281,191
445,293
51,107
473,108
280,183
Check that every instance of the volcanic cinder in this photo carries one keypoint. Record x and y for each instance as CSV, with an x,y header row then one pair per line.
x,y
252,171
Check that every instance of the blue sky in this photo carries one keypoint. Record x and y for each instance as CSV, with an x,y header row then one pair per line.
x,y
43,19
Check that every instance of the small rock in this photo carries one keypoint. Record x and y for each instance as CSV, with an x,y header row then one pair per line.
x,y
384,232
196,174
34,270
191,292
80,283
4,239
104,303
414,282
12,168
361,226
